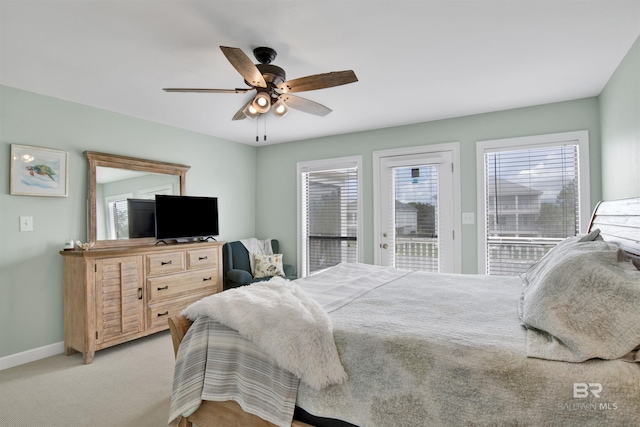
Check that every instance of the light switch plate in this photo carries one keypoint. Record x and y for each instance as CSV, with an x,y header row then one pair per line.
x,y
26,223
468,218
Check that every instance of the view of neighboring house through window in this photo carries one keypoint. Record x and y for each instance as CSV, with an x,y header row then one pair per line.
x,y
533,197
416,217
329,206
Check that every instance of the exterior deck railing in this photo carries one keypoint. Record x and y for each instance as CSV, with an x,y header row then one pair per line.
x,y
507,256
417,253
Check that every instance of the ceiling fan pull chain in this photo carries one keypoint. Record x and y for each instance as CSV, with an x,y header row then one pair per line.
x,y
257,128
265,127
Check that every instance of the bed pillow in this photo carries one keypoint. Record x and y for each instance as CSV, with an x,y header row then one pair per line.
x,y
557,251
582,305
267,266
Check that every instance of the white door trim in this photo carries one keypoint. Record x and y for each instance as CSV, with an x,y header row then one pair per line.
x,y
454,148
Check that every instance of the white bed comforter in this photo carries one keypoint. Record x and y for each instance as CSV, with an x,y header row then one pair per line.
x,y
428,349
424,349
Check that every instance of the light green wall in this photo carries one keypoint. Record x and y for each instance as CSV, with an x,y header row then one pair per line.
x,y
276,173
620,122
30,266
31,269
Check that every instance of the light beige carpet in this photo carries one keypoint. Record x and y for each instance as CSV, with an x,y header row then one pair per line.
x,y
126,385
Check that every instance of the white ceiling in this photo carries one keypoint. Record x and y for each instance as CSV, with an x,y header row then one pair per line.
x,y
416,61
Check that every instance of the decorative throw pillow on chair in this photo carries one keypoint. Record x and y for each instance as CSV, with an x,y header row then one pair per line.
x,y
267,266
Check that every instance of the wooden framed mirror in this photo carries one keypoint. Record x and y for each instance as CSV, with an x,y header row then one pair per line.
x,y
115,181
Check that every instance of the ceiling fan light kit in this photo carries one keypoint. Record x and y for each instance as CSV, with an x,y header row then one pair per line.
x,y
271,85
250,112
280,108
262,102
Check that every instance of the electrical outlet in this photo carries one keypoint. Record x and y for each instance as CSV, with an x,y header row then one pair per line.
x,y
468,218
26,223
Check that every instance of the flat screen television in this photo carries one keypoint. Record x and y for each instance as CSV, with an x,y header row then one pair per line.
x,y
186,217
141,216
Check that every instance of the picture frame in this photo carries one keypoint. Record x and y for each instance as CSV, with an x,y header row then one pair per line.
x,y
37,171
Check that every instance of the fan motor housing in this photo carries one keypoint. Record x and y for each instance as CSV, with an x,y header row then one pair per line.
x,y
272,73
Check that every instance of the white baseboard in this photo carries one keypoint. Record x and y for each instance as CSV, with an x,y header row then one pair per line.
x,y
32,355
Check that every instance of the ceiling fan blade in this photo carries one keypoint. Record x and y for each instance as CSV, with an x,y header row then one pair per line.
x,y
240,114
244,65
176,89
318,81
305,105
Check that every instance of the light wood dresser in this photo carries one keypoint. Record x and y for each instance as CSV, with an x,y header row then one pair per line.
x,y
113,296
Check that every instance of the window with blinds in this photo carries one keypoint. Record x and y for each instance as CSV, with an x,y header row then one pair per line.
x,y
119,218
532,202
330,206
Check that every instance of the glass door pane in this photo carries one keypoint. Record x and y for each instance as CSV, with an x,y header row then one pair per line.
x,y
416,217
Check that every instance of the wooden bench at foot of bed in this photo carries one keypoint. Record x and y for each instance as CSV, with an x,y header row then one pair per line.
x,y
216,414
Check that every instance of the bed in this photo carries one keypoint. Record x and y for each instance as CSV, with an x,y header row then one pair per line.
x,y
395,348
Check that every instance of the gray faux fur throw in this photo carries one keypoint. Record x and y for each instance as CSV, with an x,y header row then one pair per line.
x,y
284,322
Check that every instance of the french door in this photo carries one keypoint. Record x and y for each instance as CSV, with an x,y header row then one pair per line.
x,y
415,211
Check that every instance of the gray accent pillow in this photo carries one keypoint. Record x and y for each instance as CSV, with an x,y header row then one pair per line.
x,y
582,304
566,244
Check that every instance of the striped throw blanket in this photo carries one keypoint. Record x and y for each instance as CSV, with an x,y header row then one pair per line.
x,y
269,327
211,360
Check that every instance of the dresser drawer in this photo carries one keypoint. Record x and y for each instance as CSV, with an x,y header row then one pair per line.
x,y
202,258
176,285
157,314
163,263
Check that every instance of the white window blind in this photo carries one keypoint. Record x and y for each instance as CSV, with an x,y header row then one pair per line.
x,y
532,199
119,214
329,217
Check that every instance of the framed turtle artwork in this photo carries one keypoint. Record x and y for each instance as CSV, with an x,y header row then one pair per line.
x,y
37,171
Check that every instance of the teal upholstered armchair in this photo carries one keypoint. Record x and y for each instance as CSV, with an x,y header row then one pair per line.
x,y
237,268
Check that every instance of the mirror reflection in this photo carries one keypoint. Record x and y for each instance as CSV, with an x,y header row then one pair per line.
x,y
120,193
124,201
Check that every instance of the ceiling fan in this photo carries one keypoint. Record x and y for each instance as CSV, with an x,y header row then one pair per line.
x,y
273,90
